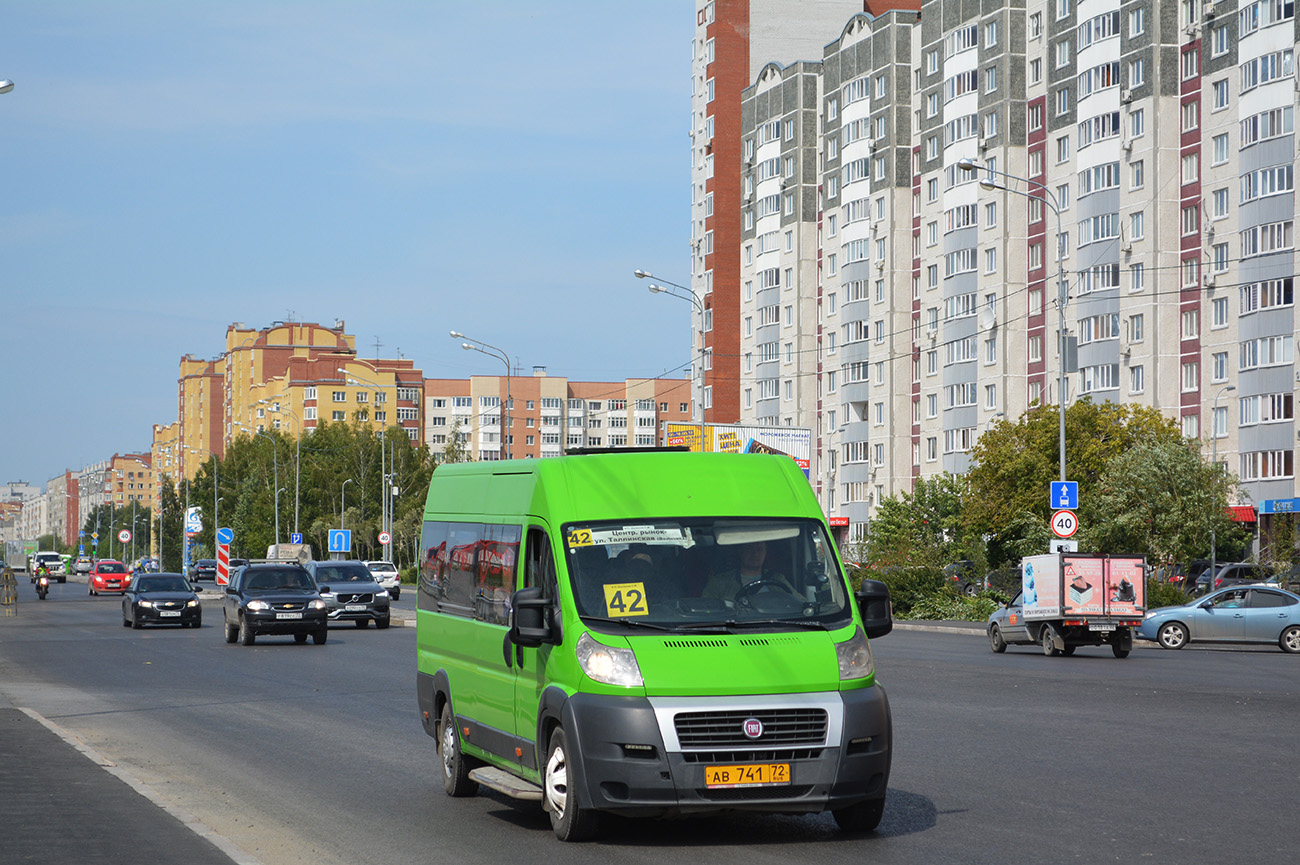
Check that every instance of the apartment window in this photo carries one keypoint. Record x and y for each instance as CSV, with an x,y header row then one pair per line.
x,y
1191,116
1137,73
1191,324
1035,117
991,34
1062,9
1035,348
1137,225
1137,175
337,416
1064,98
1137,277
1137,22
1137,125
340,396
1219,254
1036,25
1221,94
1191,64
1035,70
1136,379
1062,148
1220,362
1191,168
1191,219
1063,53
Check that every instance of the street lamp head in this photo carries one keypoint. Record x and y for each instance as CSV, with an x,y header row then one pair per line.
x,y
466,346
656,289
967,164
642,274
988,185
6,86
455,334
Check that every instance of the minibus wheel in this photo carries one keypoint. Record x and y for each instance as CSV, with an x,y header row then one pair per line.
x,y
455,770
570,822
862,817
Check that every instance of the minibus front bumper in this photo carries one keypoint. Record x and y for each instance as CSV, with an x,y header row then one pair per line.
x,y
628,764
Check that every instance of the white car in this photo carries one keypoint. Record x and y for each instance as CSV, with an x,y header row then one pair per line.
x,y
386,574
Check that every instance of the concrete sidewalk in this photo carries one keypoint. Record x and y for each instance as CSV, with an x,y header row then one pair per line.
x,y
60,802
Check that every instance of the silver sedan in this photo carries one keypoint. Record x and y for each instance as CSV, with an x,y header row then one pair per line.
x,y
1240,614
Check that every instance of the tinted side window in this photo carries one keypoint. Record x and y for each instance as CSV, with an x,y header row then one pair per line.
x,y
1269,599
433,561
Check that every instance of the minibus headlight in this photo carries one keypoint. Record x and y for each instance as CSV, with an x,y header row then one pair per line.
x,y
854,655
607,664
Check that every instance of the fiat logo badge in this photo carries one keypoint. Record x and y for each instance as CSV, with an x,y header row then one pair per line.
x,y
753,728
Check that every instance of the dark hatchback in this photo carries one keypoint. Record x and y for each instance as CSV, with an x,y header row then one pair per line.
x,y
205,569
274,598
160,599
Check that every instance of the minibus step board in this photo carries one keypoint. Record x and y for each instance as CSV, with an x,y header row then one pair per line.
x,y
503,782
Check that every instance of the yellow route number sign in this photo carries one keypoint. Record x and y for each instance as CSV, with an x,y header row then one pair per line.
x,y
625,599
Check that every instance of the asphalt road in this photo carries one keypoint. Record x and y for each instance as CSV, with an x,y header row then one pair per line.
x,y
315,753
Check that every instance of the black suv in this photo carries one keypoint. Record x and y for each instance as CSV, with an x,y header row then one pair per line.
x,y
274,598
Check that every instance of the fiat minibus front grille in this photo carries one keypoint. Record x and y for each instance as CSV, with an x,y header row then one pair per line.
x,y
726,730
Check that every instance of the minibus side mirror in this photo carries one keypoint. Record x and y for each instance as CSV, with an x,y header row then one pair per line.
x,y
530,620
876,610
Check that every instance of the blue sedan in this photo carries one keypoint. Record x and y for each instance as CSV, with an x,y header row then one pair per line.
x,y
1240,614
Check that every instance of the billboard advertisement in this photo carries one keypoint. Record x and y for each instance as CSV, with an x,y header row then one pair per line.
x,y
794,442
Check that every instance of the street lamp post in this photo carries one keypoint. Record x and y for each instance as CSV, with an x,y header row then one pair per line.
x,y
343,504
697,359
1048,198
1214,461
297,459
275,467
482,347
385,463
215,483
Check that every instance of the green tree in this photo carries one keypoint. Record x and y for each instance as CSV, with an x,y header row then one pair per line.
x,y
1016,462
1158,498
169,524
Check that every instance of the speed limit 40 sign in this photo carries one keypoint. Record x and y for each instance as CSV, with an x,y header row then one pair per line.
x,y
1065,524
385,538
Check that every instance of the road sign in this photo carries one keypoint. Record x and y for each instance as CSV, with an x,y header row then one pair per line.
x,y
94,536
81,534
340,540
225,536
1065,524
295,537
81,549
223,557
385,538
1065,495
124,536
194,521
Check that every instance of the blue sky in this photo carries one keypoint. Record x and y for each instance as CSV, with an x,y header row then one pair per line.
x,y
498,168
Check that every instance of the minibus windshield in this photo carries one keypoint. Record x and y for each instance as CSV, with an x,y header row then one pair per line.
x,y
692,573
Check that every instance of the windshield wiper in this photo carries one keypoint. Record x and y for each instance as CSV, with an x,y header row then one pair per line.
x,y
632,623
745,623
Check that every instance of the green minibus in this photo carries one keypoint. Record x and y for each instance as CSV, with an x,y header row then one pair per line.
x,y
648,633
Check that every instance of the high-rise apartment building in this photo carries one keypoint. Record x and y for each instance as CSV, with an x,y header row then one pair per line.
x,y
734,40
539,416
918,196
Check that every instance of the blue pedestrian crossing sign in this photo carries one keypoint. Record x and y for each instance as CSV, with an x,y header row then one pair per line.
x,y
1065,495
340,540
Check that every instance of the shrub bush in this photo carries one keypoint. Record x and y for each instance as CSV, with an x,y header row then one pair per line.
x,y
1162,594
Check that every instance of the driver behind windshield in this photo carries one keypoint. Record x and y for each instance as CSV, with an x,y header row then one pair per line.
x,y
726,584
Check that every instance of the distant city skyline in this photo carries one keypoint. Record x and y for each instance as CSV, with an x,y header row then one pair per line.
x,y
408,168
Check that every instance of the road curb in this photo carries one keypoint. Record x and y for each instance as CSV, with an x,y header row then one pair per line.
x,y
237,854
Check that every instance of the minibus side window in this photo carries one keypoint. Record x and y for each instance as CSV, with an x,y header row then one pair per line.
x,y
458,577
540,569
433,563
496,567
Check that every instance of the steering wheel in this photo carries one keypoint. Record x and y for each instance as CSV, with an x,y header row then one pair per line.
x,y
747,591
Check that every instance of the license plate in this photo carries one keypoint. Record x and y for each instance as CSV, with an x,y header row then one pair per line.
x,y
1101,627
747,775
355,608
169,612
288,615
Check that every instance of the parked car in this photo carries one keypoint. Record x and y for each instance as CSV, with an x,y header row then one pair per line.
x,y
273,598
1238,614
387,575
351,592
1232,574
161,599
108,575
204,569
961,574
83,564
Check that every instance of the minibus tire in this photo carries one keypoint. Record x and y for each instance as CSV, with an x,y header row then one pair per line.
x,y
862,817
570,822
455,768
